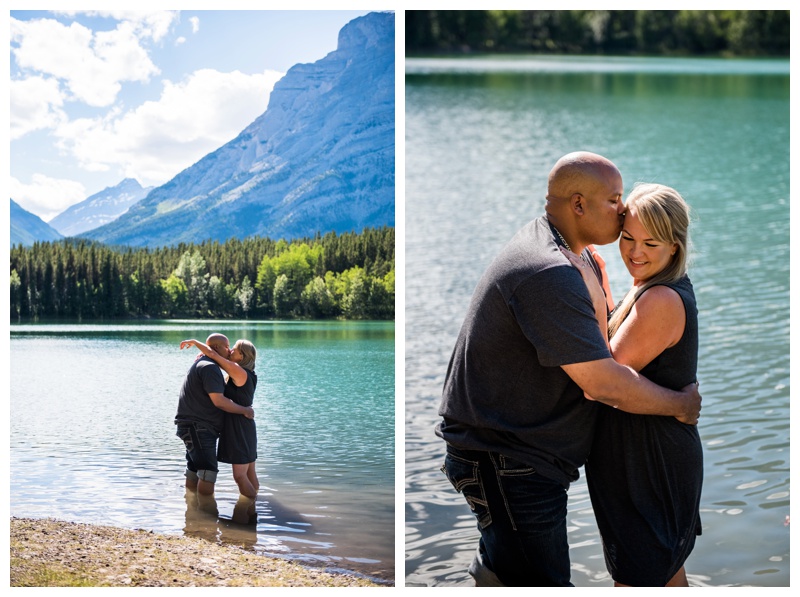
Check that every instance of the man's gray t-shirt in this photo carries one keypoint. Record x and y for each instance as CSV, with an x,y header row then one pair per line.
x,y
505,390
194,404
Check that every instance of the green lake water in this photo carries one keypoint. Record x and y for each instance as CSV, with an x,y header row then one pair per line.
x,y
93,439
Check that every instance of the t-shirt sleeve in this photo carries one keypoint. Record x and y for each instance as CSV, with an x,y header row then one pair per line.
x,y
213,382
555,312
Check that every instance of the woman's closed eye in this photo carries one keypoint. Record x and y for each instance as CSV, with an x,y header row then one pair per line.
x,y
629,239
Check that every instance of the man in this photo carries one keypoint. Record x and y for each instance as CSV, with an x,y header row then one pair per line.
x,y
201,411
515,419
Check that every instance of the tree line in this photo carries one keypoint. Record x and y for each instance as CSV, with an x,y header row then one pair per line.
x,y
348,275
614,32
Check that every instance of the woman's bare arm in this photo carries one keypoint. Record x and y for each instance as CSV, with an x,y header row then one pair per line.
x,y
601,263
656,322
237,373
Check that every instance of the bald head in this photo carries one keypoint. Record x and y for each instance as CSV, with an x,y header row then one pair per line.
x,y
579,172
584,200
220,344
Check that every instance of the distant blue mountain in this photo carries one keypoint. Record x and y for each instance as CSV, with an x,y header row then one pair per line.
x,y
321,158
101,208
27,228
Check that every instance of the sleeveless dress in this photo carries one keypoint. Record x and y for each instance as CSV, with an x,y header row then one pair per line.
x,y
237,442
645,473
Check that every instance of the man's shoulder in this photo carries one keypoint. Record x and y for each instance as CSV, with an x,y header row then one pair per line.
x,y
531,261
534,245
205,365
527,258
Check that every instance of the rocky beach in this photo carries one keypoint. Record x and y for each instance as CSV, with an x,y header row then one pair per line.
x,y
49,553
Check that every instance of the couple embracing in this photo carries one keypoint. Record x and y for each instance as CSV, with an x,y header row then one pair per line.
x,y
543,380
214,406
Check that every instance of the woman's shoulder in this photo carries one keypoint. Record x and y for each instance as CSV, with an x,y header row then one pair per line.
x,y
660,300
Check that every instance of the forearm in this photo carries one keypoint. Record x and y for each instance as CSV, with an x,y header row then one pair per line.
x,y
622,387
238,374
631,392
228,405
209,352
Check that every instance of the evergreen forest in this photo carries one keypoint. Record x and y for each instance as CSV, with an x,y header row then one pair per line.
x,y
741,33
348,275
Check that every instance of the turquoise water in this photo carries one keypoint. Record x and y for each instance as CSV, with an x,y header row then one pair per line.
x,y
481,136
93,439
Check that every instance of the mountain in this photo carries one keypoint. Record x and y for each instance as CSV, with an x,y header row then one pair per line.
x,y
321,158
27,228
101,208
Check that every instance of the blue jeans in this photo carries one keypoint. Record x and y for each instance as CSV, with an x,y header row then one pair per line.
x,y
201,451
522,517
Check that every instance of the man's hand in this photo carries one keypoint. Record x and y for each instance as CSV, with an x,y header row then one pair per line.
x,y
250,413
692,400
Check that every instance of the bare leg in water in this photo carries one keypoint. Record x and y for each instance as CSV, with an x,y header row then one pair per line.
x,y
200,486
246,478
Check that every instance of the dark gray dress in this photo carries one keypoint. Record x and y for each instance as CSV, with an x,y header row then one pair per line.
x,y
645,473
237,442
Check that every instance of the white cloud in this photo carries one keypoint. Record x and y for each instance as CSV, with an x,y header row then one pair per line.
x,y
195,21
154,24
157,140
180,41
35,104
47,197
92,66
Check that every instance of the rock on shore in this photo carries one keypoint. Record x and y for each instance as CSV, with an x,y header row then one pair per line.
x,y
47,552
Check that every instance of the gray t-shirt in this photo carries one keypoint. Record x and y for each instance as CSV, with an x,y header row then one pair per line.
x,y
505,390
194,404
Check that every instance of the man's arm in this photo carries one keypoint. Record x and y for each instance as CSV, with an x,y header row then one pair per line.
x,y
621,387
229,406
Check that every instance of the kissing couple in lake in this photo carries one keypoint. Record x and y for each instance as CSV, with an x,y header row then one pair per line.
x,y
544,379
215,403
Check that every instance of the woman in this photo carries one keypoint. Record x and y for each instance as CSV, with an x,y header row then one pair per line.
x,y
237,442
645,473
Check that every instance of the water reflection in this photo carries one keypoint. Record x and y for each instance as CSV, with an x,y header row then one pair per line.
x,y
204,520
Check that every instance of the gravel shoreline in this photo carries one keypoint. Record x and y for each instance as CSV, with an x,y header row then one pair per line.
x,y
48,552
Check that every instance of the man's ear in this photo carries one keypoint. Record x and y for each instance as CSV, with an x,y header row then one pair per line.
x,y
576,202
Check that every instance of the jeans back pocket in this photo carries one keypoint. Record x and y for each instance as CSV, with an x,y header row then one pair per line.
x,y
465,476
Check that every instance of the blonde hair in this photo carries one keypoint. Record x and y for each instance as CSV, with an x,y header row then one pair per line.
x,y
248,354
665,216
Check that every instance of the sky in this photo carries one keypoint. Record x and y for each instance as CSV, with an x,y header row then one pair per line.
x,y
97,97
